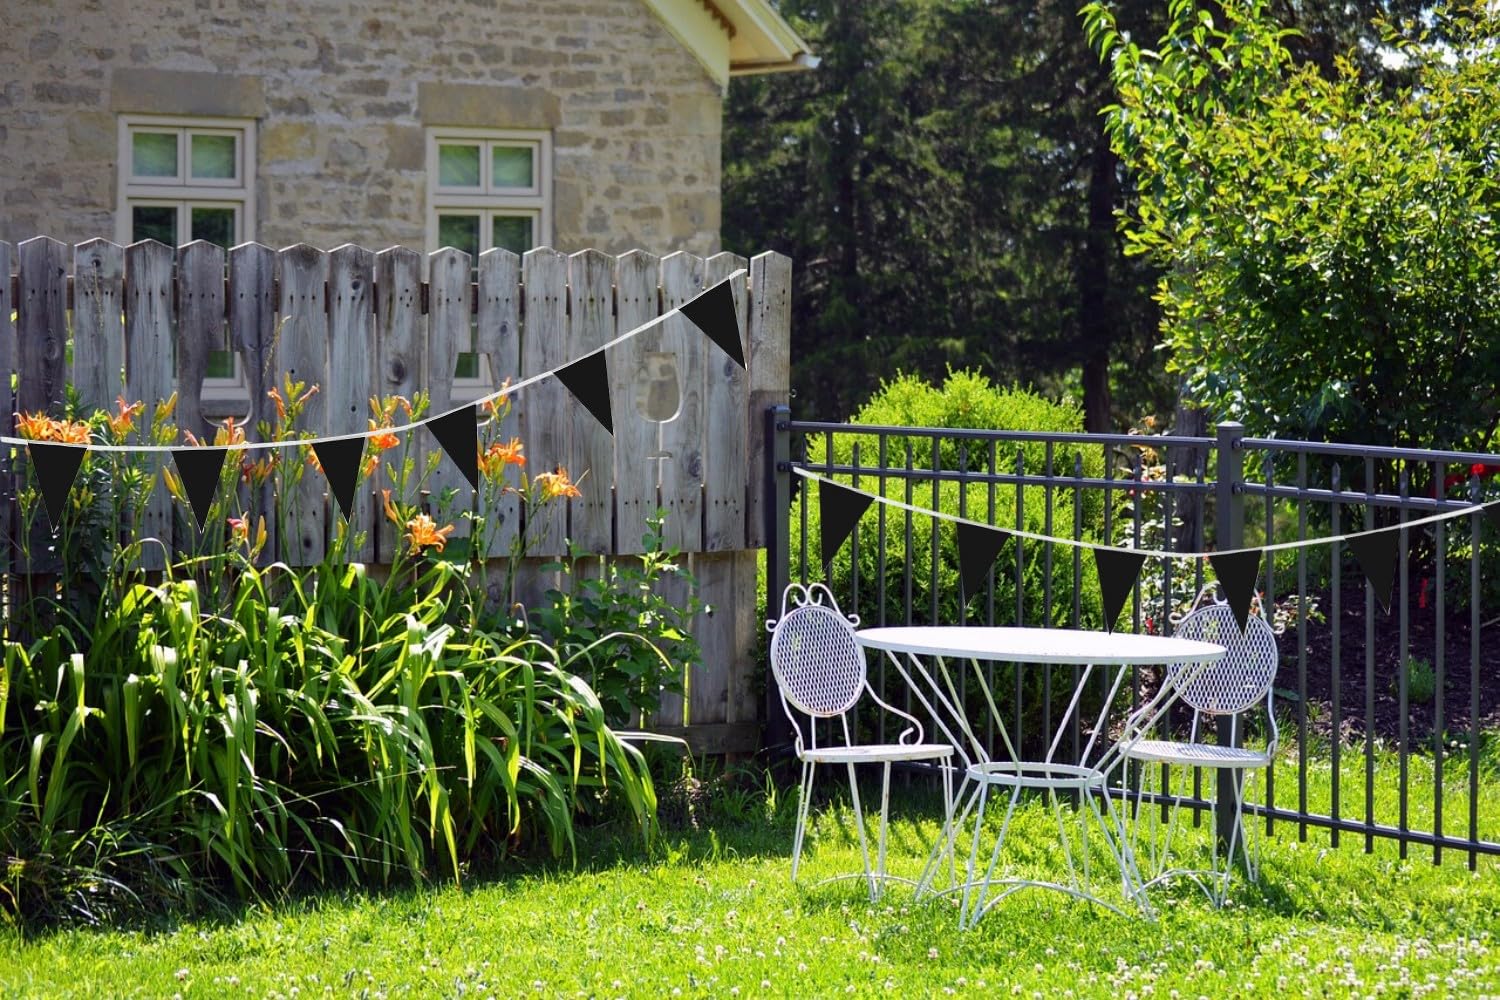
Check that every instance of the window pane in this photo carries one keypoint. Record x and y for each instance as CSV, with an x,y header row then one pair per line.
x,y
513,233
154,222
468,365
460,232
214,224
213,156
220,364
154,154
458,166
513,167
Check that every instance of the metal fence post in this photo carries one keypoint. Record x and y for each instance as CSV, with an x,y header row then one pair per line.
x,y
1229,525
778,510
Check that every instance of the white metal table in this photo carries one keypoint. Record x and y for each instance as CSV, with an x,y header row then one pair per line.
x,y
920,655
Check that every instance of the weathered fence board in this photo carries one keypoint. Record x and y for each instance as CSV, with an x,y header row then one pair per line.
x,y
646,387
7,409
351,373
200,328
400,341
148,372
769,357
498,338
303,353
722,693
356,325
726,394
592,465
98,316
252,335
673,708
447,336
544,272
42,326
682,436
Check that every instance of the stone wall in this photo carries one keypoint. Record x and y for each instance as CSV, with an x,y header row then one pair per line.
x,y
342,91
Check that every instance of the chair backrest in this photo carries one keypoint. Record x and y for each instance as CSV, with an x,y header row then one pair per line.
x,y
816,662
1242,678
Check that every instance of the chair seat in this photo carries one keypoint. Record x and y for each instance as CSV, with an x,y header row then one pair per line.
x,y
1200,754
877,752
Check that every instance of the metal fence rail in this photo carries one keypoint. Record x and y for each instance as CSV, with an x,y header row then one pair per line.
x,y
1195,494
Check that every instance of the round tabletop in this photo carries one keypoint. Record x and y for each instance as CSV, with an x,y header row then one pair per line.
x,y
1037,645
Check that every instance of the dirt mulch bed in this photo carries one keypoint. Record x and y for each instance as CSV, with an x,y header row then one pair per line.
x,y
1457,715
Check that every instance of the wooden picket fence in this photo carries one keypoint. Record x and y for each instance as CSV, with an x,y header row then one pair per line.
x,y
143,319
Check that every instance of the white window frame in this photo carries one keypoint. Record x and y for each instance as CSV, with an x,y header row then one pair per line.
x,y
487,201
220,395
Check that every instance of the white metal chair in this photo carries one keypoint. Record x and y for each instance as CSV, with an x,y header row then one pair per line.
x,y
820,672
1231,686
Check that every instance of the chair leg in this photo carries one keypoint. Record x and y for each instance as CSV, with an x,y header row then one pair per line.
x,y
963,909
804,799
878,886
859,823
944,844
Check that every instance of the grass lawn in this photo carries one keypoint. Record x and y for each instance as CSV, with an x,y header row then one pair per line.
x,y
711,913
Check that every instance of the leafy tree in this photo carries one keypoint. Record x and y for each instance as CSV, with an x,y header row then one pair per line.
x,y
1328,245
947,187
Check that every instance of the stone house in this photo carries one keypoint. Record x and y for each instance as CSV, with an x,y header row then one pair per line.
x,y
470,123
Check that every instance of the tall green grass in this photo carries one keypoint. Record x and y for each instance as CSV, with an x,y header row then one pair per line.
x,y
317,727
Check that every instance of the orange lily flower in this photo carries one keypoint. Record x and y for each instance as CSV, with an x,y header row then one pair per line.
x,y
422,531
122,421
557,484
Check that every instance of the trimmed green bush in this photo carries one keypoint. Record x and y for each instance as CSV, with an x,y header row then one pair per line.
x,y
965,400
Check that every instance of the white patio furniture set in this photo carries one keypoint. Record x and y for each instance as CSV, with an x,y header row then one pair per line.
x,y
818,657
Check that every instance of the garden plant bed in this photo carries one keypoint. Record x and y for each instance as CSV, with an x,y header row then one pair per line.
x,y
1421,644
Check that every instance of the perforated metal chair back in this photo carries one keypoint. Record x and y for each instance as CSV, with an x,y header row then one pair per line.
x,y
1242,678
816,662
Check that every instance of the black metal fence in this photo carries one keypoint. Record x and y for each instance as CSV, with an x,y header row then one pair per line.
x,y
1392,716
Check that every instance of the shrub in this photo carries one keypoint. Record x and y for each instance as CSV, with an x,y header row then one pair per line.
x,y
233,726
1325,247
651,647
965,400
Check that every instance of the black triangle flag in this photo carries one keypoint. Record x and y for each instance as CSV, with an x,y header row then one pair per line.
x,y
56,467
458,433
1118,569
1237,572
839,510
713,312
977,548
199,469
340,459
588,380
1377,557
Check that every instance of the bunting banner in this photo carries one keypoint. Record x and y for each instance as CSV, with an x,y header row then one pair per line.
x,y
1237,569
588,380
340,462
978,547
458,433
1118,569
714,313
199,470
56,467
1376,554
1237,572
839,510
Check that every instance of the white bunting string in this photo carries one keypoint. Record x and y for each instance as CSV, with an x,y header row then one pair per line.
x,y
1078,544
500,393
